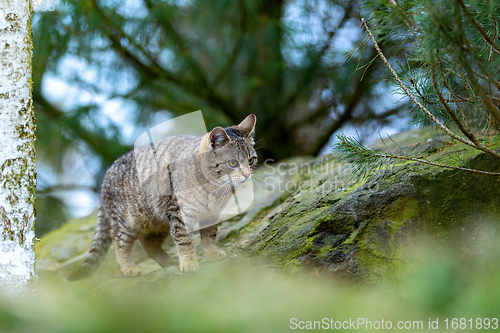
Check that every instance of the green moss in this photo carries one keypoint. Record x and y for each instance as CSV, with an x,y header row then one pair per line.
x,y
71,239
456,195
377,266
286,240
382,257
401,211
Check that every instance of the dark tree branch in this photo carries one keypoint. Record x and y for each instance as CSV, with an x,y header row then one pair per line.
x,y
108,21
184,51
324,138
354,100
60,187
377,117
334,127
236,49
315,114
142,68
456,99
203,88
308,76
181,44
155,71
109,151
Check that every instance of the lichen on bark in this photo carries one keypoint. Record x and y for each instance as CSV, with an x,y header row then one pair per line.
x,y
17,154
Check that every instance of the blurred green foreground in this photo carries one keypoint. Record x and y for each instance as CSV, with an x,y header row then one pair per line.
x,y
243,295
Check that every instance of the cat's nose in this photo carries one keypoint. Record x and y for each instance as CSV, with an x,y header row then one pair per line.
x,y
247,175
246,172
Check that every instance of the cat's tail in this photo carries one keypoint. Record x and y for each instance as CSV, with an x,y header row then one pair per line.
x,y
97,252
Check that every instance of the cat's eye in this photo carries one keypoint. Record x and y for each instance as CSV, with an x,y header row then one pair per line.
x,y
232,163
251,161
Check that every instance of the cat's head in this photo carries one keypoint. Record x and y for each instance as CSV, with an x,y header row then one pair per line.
x,y
229,151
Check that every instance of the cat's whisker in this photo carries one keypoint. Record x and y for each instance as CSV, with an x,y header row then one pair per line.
x,y
227,191
257,176
258,182
220,187
258,141
217,180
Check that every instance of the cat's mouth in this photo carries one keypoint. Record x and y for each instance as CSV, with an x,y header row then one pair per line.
x,y
241,179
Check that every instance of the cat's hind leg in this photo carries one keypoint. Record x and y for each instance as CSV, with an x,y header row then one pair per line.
x,y
210,251
152,244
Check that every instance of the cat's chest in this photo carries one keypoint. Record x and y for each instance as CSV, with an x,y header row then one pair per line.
x,y
210,204
203,206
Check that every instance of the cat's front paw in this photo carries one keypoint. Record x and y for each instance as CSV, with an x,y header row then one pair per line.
x,y
131,272
214,254
189,265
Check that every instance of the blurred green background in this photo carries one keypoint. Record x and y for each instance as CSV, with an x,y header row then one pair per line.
x,y
105,71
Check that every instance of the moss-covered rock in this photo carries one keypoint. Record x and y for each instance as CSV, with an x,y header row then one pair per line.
x,y
361,231
310,216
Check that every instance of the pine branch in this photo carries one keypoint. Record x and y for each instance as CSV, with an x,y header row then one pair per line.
x,y
450,112
417,102
362,159
410,23
470,72
365,160
479,27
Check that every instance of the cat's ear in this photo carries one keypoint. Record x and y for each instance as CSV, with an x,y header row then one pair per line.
x,y
248,124
218,137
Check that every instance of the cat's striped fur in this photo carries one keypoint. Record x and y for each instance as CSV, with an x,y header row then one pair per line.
x,y
169,187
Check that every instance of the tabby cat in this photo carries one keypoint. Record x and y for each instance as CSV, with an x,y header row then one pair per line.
x,y
170,187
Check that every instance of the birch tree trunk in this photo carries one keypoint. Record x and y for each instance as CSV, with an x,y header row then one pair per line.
x,y
17,148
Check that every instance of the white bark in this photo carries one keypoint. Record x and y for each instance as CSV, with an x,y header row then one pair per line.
x,y
17,150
